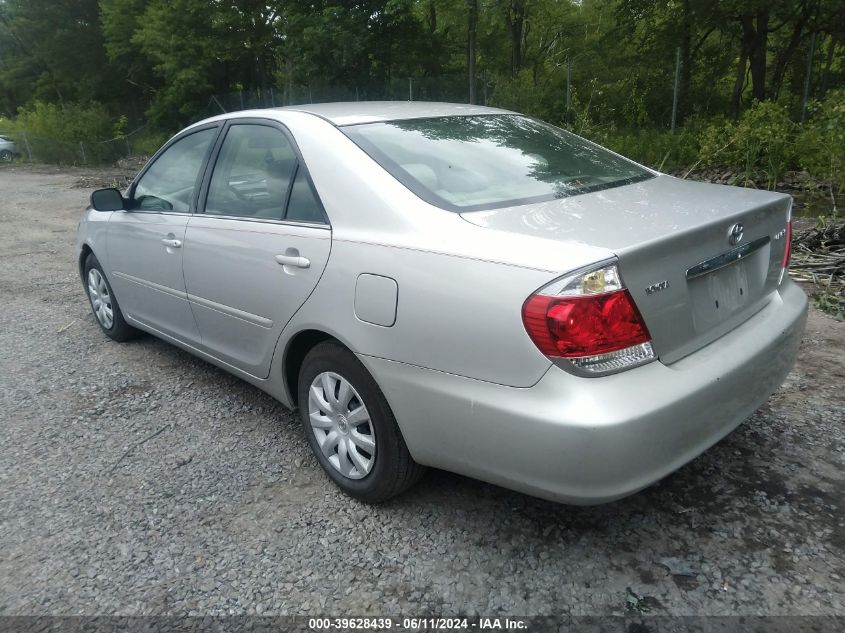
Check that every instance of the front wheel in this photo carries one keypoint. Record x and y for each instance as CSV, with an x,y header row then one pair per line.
x,y
351,428
104,303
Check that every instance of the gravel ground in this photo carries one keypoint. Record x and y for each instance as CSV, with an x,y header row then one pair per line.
x,y
137,479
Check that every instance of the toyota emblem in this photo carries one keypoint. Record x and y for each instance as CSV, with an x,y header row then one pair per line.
x,y
735,234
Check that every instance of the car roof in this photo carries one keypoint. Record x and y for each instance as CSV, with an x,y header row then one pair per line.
x,y
356,112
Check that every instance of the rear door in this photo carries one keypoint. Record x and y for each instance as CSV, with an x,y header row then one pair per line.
x,y
256,253
145,242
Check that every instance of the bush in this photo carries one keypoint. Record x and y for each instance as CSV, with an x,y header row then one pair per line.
x,y
72,134
657,148
147,143
761,145
821,143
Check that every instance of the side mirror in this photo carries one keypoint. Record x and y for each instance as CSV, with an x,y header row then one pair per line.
x,y
107,200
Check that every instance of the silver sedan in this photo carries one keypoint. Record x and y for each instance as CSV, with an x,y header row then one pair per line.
x,y
455,286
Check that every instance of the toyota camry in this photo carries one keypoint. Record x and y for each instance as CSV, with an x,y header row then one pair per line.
x,y
455,286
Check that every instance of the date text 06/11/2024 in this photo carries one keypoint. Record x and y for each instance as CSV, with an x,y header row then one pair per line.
x,y
417,624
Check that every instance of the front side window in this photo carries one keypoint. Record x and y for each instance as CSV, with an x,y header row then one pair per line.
x,y
169,183
470,163
252,174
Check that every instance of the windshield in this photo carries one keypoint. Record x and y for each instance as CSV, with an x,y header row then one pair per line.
x,y
470,163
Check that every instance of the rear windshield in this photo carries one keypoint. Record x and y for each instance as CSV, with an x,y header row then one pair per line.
x,y
471,163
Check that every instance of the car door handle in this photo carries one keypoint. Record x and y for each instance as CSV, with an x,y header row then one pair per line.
x,y
171,242
293,260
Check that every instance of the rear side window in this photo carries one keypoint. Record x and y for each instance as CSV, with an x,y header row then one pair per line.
x,y
470,163
169,183
303,205
253,173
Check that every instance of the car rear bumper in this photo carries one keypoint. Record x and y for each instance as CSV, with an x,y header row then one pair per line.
x,y
593,440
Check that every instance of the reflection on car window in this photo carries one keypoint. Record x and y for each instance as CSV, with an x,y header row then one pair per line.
x,y
252,174
303,205
168,185
481,162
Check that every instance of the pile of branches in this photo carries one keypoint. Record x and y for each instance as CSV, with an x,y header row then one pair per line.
x,y
118,181
818,256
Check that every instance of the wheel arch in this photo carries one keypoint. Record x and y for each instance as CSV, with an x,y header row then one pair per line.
x,y
84,252
296,350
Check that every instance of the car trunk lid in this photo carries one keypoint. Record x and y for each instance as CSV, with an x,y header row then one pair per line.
x,y
690,278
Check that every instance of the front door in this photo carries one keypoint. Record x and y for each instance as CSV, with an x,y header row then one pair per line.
x,y
256,253
146,243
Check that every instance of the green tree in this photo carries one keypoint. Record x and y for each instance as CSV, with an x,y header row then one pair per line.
x,y
51,50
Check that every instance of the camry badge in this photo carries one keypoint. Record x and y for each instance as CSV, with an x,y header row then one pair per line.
x,y
735,234
660,285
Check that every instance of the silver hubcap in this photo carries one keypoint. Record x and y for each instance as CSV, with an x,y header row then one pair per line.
x,y
100,298
341,425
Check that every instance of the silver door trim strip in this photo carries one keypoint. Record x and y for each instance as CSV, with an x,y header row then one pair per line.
x,y
150,284
194,350
726,259
254,319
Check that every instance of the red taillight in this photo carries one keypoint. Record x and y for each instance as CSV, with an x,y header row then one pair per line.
x,y
787,249
578,326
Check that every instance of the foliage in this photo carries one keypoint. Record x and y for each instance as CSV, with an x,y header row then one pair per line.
x,y
761,145
604,68
166,59
73,134
821,142
765,143
657,148
52,51
520,94
831,302
70,124
148,143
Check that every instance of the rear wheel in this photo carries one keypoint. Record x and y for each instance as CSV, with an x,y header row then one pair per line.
x,y
104,303
351,428
6,156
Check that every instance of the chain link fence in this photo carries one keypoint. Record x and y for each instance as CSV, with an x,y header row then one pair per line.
x,y
36,148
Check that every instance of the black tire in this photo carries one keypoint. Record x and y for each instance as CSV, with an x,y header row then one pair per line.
x,y
394,470
120,330
6,156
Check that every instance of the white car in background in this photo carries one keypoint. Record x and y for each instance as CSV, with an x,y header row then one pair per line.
x,y
8,149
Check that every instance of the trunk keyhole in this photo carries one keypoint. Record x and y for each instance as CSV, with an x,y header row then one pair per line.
x,y
717,305
740,292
